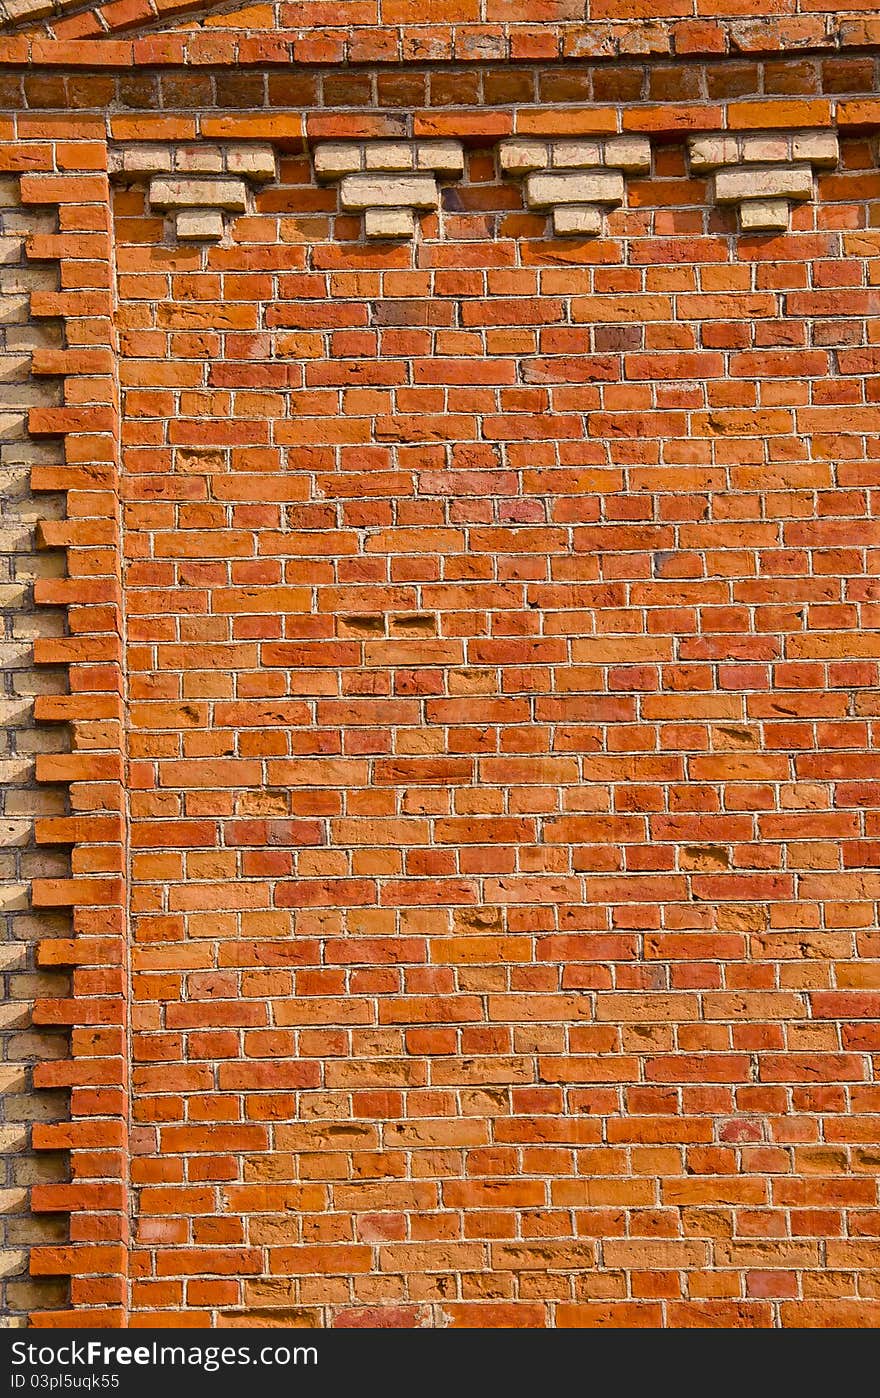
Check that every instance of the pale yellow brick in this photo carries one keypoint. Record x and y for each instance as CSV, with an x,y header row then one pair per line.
x,y
763,182
388,155
590,187
336,158
389,223
571,220
765,215
198,192
518,157
390,191
199,225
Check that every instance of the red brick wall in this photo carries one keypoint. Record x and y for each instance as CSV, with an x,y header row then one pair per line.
x,y
496,941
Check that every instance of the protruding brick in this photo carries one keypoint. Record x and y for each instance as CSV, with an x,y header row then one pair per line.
x,y
444,157
518,157
819,147
710,152
334,159
388,155
150,159
202,159
575,155
198,193
594,187
198,225
256,163
763,182
389,223
762,149
571,220
375,191
765,215
630,153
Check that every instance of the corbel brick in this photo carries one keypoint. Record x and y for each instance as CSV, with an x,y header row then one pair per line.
x,y
763,173
576,179
388,181
198,184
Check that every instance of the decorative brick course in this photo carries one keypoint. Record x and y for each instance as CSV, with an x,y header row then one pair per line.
x,y
389,181
23,802
471,657
764,174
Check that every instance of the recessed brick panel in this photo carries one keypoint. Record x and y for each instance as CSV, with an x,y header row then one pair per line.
x,y
457,857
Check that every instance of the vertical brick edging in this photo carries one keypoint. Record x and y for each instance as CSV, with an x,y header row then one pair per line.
x,y
65,164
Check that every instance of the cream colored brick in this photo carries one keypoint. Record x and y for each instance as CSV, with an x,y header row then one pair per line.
x,y
819,147
13,309
388,155
575,155
765,148
40,1294
28,279
444,157
593,187
256,163
710,152
11,1263
15,368
765,215
27,9
14,897
336,158
198,193
763,182
13,1137
571,220
389,192
631,153
145,160
14,1016
12,426
199,225
200,159
28,337
389,223
518,157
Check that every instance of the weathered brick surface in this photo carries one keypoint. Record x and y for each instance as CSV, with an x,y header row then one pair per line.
x,y
473,664
21,1044
501,681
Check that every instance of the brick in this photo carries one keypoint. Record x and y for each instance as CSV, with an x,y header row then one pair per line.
x,y
573,155
199,225
596,187
819,147
630,153
256,163
374,191
388,155
190,193
332,160
572,220
765,215
445,157
764,182
474,921
520,156
389,223
148,160
709,152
